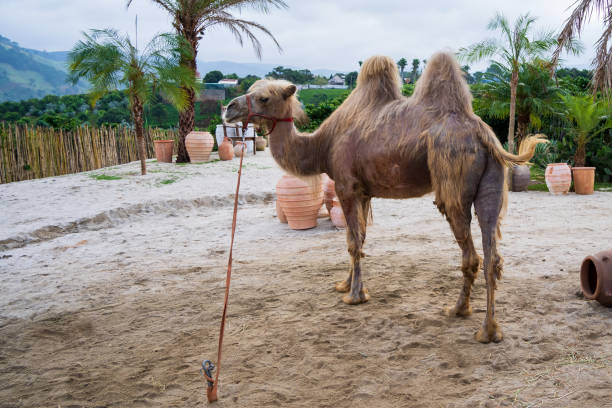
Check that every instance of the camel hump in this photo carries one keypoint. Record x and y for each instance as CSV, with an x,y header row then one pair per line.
x,y
376,68
443,87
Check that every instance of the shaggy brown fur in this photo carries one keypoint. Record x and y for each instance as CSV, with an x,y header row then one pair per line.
x,y
381,144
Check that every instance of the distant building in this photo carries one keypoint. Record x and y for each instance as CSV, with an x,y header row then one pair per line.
x,y
336,80
229,83
212,92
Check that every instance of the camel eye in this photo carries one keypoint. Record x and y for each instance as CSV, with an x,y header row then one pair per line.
x,y
263,100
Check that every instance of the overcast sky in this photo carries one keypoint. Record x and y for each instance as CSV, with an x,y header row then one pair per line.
x,y
332,34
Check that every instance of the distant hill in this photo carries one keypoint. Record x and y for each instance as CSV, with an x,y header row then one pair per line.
x,y
26,73
243,69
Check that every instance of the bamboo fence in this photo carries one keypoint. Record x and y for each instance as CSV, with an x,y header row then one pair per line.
x,y
28,152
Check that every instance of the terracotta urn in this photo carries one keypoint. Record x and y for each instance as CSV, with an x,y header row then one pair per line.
x,y
584,180
279,213
596,277
558,178
329,192
238,149
226,150
260,143
337,215
199,145
163,150
299,201
520,178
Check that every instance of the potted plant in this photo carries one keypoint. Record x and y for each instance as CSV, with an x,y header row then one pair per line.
x,y
163,150
588,118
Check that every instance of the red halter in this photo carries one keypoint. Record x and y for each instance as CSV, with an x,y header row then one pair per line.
x,y
252,114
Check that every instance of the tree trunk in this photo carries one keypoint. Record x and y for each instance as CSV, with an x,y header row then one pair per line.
x,y
522,124
137,116
580,155
187,117
513,86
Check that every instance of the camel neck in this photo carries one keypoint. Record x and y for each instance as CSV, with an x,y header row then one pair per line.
x,y
299,154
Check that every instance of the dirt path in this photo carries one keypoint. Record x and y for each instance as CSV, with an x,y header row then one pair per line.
x,y
122,315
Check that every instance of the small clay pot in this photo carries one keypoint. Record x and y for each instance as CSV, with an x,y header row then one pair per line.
x,y
520,178
260,143
596,277
584,180
337,215
280,214
558,178
163,150
329,193
226,150
238,149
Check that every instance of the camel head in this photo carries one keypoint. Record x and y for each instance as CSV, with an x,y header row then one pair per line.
x,y
272,98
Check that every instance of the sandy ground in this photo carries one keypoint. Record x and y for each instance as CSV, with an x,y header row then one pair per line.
x,y
112,292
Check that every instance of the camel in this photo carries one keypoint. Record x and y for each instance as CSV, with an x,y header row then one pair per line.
x,y
379,143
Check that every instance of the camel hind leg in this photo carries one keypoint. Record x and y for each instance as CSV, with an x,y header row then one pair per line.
x,y
460,225
489,203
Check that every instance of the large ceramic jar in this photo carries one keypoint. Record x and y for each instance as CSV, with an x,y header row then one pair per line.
x,y
558,178
299,201
199,145
329,192
520,178
163,150
584,180
226,150
337,215
596,277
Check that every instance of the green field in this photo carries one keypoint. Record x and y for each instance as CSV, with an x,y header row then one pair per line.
x,y
316,96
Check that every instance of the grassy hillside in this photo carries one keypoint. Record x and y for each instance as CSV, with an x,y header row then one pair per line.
x,y
26,74
317,96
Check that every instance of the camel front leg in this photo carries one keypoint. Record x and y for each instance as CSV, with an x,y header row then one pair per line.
x,y
345,285
355,236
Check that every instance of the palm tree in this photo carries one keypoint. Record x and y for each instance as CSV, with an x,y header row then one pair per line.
x,y
515,48
109,61
585,115
402,64
537,96
191,19
602,63
415,69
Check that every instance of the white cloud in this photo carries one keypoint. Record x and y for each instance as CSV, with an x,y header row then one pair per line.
x,y
313,34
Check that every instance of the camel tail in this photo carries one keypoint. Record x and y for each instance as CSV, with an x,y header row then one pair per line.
x,y
526,149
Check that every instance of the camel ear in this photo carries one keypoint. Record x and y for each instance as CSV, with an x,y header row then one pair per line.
x,y
289,90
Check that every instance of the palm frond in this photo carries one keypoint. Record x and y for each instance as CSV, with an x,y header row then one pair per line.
x,y
479,51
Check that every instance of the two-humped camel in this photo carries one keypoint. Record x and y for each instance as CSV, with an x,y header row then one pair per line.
x,y
379,143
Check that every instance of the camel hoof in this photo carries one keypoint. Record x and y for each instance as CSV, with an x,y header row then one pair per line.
x,y
343,286
489,333
459,311
363,297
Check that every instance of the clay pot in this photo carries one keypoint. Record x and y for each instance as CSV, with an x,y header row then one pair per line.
x,y
199,145
558,178
279,213
584,179
520,178
299,202
163,150
329,192
238,149
337,215
226,150
596,277
260,143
